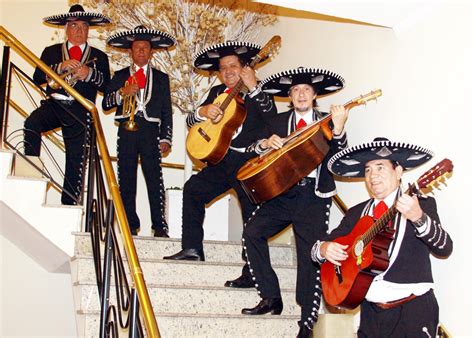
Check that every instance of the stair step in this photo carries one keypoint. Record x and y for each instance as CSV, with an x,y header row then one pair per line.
x,y
215,251
190,300
186,273
193,325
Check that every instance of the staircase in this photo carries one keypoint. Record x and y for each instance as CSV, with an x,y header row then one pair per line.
x,y
26,218
189,298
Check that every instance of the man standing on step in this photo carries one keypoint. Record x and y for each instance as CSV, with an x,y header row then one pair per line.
x,y
148,134
229,59
89,72
306,205
400,301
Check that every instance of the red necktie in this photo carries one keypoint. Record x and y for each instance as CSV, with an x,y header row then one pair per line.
x,y
301,124
380,209
75,52
140,78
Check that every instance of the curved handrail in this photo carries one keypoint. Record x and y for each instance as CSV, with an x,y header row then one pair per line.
x,y
130,251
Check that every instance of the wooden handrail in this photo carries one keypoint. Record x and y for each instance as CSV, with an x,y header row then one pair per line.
x,y
129,246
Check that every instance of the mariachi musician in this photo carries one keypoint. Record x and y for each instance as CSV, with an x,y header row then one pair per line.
x,y
400,301
87,70
306,205
229,59
141,94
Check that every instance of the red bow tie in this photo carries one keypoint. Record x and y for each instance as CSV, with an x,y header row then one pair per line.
x,y
301,124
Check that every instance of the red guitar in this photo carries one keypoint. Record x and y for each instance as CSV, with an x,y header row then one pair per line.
x,y
368,243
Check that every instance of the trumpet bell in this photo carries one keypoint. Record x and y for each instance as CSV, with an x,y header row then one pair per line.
x,y
130,125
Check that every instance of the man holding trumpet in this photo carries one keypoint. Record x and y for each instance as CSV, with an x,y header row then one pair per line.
x,y
87,70
142,97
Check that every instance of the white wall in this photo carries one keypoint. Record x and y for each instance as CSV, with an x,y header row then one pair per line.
x,y
424,72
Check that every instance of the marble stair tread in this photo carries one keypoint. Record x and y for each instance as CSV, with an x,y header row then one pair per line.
x,y
215,251
195,325
186,273
192,299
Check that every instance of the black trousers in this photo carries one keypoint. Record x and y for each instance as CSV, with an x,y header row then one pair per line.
x,y
202,188
309,215
143,143
416,318
75,129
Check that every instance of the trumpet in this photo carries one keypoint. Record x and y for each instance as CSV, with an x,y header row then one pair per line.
x,y
129,105
70,80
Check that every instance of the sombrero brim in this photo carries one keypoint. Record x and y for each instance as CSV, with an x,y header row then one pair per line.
x,y
158,39
324,82
208,58
94,19
351,162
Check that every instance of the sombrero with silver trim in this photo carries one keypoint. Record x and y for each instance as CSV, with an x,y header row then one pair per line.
x,y
351,162
208,58
158,39
77,12
323,81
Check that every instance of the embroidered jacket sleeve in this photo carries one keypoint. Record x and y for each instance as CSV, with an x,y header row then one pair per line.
x,y
53,61
99,71
112,97
193,117
166,126
431,232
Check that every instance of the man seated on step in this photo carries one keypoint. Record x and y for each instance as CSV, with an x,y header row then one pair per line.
x,y
143,92
400,301
89,72
229,59
306,205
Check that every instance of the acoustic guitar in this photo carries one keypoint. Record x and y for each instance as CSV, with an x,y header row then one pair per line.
x,y
368,243
277,170
209,141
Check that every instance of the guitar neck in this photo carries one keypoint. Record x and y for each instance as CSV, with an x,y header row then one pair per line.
x,y
384,219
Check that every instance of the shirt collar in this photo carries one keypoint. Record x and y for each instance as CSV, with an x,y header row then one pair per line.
x,y
69,45
389,200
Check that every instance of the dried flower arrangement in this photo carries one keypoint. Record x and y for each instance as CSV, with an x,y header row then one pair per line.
x,y
195,24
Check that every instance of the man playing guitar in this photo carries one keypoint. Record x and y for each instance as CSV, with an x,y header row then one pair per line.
x,y
400,301
229,59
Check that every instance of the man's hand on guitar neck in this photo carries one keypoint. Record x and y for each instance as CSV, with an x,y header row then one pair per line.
x,y
333,252
212,112
248,77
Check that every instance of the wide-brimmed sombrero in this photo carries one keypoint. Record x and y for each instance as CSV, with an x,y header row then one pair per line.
x,y
323,81
77,12
208,58
158,39
351,162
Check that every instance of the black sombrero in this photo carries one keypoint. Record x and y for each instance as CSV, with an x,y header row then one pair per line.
x,y
351,162
77,12
158,39
208,58
323,81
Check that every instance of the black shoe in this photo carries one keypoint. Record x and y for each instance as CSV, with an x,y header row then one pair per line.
x,y
163,233
272,305
187,255
304,332
134,232
241,282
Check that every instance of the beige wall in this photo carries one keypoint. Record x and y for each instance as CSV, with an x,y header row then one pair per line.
x,y
424,74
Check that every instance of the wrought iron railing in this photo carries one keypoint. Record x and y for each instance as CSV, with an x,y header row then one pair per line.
x,y
100,212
